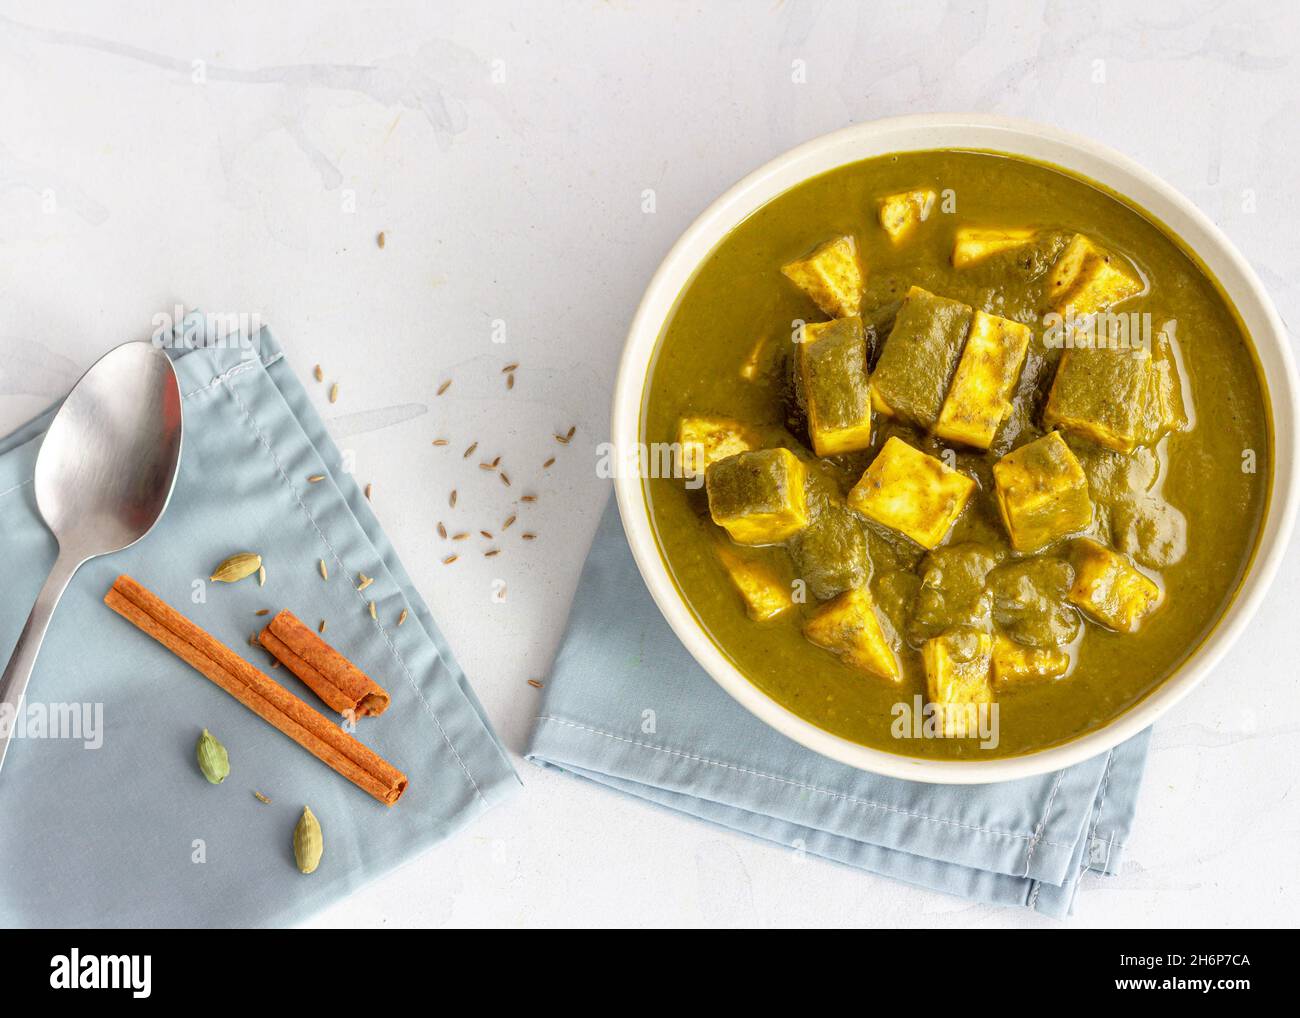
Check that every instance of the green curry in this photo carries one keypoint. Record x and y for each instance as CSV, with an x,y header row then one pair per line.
x,y
956,429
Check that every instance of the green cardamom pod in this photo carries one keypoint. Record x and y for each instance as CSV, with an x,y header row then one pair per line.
x,y
308,844
213,759
235,568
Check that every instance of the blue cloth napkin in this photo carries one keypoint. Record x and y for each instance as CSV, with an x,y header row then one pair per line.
x,y
112,824
699,752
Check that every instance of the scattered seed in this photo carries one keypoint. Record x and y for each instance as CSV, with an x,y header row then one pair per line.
x,y
334,393
261,576
461,536
364,581
315,478
262,799
528,536
369,489
443,387
505,478
274,664
486,466
507,524
491,551
373,614
442,531
321,627
527,498
549,463
486,534
318,373
510,367
324,570
450,559
380,240
467,452
440,441
253,641
562,439
510,381
262,611
401,618
536,684
496,462
452,501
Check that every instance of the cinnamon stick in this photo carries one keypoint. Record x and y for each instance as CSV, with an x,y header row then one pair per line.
x,y
337,681
263,696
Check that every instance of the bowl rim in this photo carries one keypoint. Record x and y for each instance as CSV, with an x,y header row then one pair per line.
x,y
1014,137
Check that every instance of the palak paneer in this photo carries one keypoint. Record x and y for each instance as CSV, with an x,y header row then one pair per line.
x,y
971,429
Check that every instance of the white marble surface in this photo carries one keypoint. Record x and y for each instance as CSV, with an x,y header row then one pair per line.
x,y
243,157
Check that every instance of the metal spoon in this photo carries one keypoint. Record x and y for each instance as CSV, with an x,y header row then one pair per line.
x,y
104,475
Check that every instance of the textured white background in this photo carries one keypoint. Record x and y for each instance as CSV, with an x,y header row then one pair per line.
x,y
127,186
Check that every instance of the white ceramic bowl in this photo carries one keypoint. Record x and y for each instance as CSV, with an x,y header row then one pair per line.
x,y
1015,137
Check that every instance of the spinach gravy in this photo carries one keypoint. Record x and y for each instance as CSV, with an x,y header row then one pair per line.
x,y
956,432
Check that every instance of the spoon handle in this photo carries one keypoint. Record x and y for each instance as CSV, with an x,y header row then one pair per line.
x,y
14,683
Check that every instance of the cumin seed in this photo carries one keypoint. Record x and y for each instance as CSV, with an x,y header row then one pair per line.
x,y
334,393
467,452
443,387
510,367
450,559
528,535
505,478
535,683
440,441
262,611
401,618
507,524
549,463
442,531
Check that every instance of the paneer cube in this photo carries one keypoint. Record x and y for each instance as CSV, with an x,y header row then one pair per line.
x,y
902,213
765,594
973,244
957,667
1087,278
849,627
915,494
832,365
831,276
1119,398
1110,589
1016,665
1042,493
758,497
980,397
920,357
705,440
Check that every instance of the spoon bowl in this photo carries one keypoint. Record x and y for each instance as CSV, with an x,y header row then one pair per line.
x,y
104,475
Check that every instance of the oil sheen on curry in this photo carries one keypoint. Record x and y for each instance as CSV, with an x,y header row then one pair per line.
x,y
956,429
